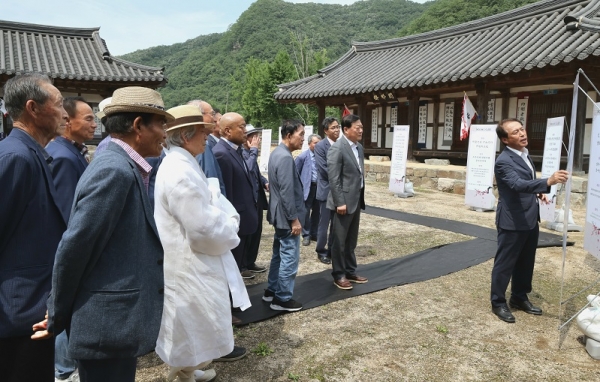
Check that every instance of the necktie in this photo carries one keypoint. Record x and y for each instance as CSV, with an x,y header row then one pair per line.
x,y
239,151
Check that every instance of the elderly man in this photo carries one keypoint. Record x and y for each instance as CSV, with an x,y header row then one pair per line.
x,y
331,127
517,218
286,213
208,162
345,164
239,185
198,228
107,285
70,161
307,168
31,225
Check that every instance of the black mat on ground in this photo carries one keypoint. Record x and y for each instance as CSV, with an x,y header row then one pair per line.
x,y
317,289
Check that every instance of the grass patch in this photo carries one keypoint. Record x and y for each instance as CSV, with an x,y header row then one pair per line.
x,y
441,329
262,350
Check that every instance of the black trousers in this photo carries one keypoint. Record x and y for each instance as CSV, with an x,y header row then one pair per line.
x,y
23,359
254,242
345,238
514,260
311,219
324,236
103,370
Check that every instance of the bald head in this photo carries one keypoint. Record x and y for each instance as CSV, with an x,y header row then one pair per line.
x,y
233,128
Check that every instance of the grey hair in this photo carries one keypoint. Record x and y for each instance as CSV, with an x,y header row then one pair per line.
x,y
310,137
175,138
197,103
20,89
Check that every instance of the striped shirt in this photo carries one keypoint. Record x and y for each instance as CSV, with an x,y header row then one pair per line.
x,y
141,163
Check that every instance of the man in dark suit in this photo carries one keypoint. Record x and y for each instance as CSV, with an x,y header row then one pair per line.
x,y
261,184
208,162
239,185
345,164
517,217
70,161
31,225
107,285
286,214
307,168
331,127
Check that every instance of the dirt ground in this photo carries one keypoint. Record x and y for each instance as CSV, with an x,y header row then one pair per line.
x,y
437,330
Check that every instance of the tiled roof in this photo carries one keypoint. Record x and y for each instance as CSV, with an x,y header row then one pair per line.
x,y
66,53
533,36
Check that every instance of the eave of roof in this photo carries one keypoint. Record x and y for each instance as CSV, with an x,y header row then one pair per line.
x,y
532,36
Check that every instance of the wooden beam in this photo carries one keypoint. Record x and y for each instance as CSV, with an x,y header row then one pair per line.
x,y
436,122
413,122
320,118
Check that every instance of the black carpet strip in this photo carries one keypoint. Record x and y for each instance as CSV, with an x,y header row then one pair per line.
x,y
317,289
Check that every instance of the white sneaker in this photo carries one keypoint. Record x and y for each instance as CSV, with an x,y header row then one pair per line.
x,y
205,375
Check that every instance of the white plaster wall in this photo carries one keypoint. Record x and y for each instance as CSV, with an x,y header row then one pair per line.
x,y
429,140
512,107
441,139
441,113
498,111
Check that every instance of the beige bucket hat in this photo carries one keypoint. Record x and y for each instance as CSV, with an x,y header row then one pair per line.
x,y
185,115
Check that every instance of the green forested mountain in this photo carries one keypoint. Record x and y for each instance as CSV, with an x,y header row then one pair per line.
x,y
274,42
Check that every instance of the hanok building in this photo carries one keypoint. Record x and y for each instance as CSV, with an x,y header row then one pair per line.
x,y
520,64
77,60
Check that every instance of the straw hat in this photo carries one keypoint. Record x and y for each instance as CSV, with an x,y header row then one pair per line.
x,y
105,102
137,99
185,115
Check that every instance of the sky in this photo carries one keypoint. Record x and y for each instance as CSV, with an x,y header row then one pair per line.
x,y
129,25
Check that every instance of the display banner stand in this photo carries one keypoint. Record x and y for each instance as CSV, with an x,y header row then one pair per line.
x,y
398,179
265,150
479,195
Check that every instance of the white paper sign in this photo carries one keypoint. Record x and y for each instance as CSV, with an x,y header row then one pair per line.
x,y
522,104
591,238
374,123
490,110
422,124
551,162
448,123
280,135
265,149
393,115
399,156
480,167
99,126
308,130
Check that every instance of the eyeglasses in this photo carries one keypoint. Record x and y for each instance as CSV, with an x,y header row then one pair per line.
x,y
336,127
212,113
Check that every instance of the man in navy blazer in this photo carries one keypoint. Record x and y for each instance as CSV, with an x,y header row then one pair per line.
x,y
331,127
239,185
517,217
70,161
31,225
307,168
208,162
107,285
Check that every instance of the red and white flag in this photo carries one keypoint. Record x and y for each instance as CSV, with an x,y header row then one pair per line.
x,y
468,114
346,111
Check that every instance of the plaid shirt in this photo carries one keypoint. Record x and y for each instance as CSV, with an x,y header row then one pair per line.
x,y
141,163
83,150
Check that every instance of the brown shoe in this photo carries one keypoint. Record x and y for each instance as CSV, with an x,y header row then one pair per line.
x,y
343,283
357,279
235,321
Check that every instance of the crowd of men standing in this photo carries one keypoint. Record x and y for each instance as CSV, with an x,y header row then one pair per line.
x,y
146,247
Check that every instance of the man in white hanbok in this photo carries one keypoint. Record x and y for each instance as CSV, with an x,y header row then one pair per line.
x,y
198,228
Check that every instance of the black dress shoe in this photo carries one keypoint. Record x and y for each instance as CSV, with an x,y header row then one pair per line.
x,y
503,313
525,306
324,259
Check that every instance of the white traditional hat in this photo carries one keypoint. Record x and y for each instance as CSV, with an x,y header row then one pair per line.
x,y
101,106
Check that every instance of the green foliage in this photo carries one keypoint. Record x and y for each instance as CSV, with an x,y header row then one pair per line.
x,y
445,13
262,349
293,377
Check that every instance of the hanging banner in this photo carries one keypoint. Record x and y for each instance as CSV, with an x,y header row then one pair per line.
x,y
522,104
308,130
99,125
490,110
448,123
393,115
399,156
374,123
480,167
591,238
265,149
551,162
422,125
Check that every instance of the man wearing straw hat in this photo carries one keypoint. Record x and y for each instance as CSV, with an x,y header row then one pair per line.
x,y
107,284
198,228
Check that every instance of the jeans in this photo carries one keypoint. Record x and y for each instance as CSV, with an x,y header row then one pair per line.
x,y
63,365
284,264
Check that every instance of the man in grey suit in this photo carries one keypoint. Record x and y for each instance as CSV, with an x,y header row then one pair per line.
x,y
286,212
107,284
345,164
305,164
517,217
331,126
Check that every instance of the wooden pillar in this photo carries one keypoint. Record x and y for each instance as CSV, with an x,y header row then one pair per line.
x,y
413,122
436,122
483,96
580,128
383,119
320,118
